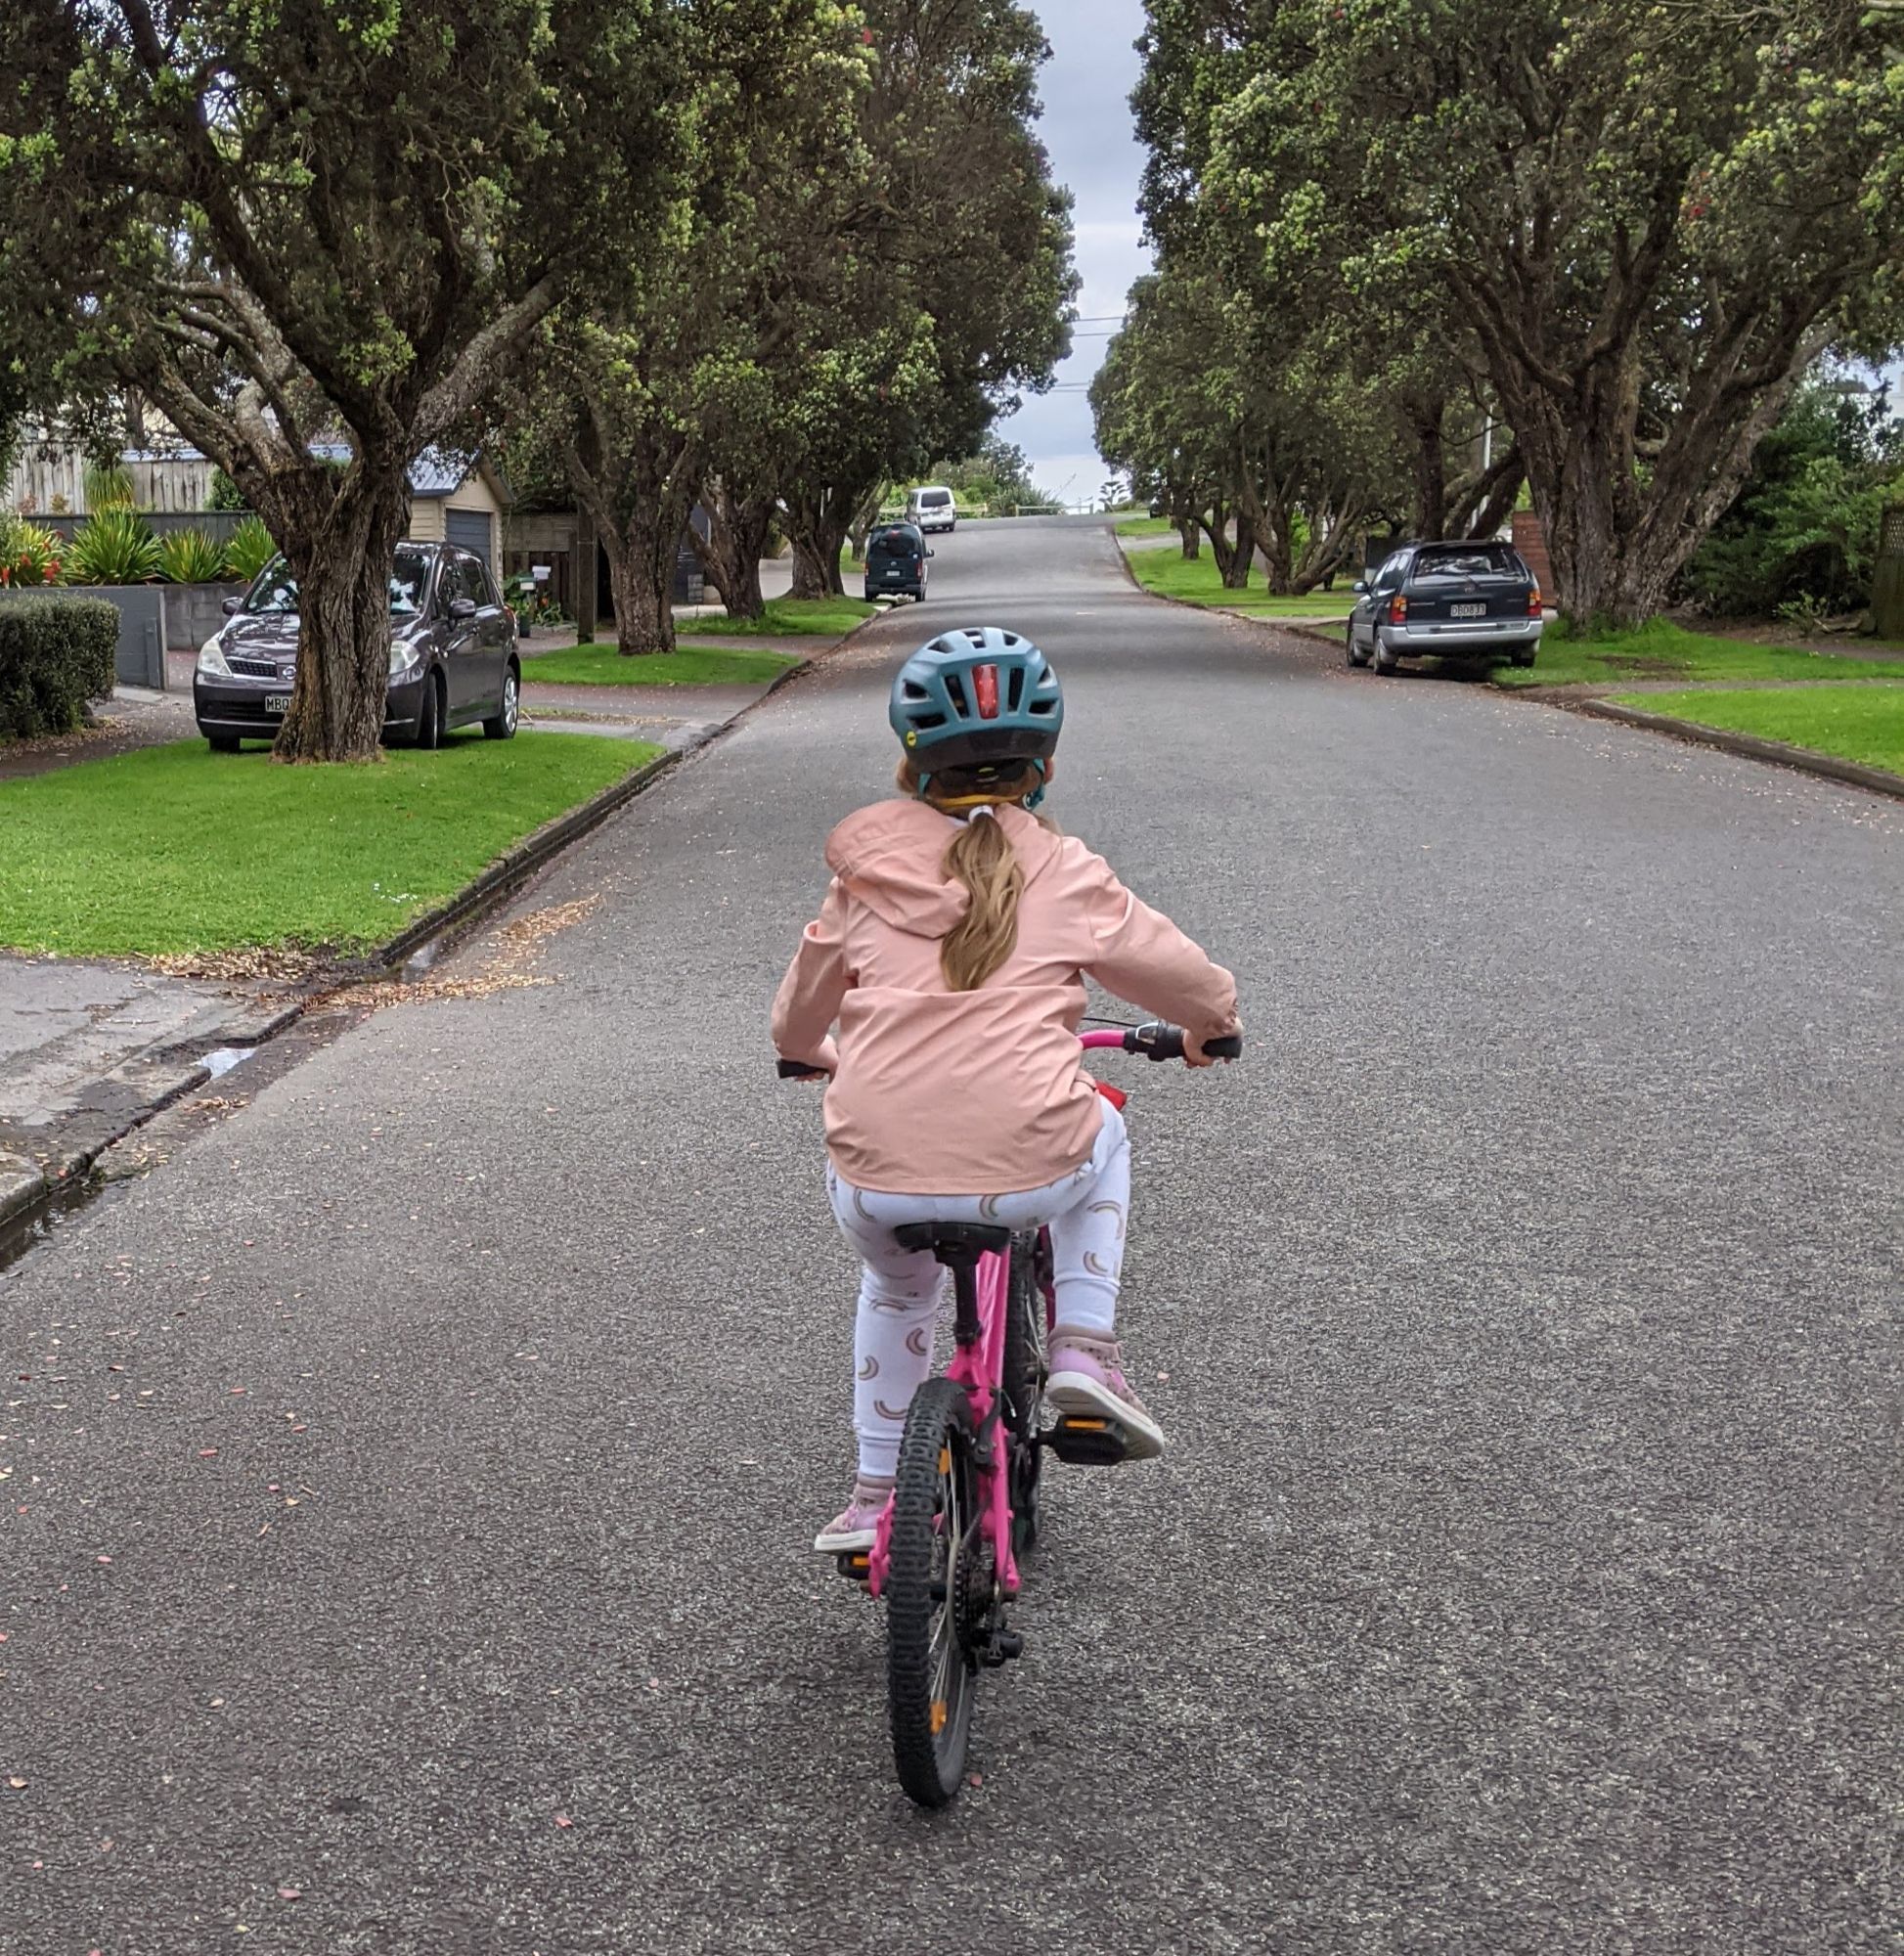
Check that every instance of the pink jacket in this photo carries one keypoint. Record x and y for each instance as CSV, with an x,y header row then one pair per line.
x,y
944,1092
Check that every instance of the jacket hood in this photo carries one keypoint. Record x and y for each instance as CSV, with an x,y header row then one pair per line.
x,y
891,856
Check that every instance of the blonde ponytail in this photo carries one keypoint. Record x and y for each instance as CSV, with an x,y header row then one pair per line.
x,y
981,857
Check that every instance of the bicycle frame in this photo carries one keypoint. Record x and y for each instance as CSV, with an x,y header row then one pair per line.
x,y
978,1367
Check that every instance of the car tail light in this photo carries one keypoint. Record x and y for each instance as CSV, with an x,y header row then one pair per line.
x,y
918,566
1398,609
1533,603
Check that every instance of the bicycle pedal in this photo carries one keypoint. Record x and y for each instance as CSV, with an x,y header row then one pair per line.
x,y
1088,1441
1001,1648
855,1565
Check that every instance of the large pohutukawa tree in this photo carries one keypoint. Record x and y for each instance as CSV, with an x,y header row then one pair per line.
x,y
1647,218
945,295
292,224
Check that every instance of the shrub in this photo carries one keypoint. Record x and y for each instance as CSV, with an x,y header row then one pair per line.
x,y
107,486
115,547
191,557
28,555
224,493
56,653
249,550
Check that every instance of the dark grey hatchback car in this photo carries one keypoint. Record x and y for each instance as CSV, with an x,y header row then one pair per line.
x,y
453,656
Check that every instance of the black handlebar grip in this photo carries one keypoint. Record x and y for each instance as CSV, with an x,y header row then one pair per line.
x,y
1229,1046
798,1069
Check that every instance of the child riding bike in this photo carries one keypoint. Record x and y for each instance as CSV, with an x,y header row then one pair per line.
x,y
951,949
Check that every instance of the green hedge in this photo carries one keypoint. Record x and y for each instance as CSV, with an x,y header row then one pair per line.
x,y
56,653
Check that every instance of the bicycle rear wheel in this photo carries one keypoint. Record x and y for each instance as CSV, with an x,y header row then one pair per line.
x,y
1024,1384
936,1589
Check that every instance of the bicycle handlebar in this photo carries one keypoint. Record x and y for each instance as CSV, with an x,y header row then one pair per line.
x,y
1155,1040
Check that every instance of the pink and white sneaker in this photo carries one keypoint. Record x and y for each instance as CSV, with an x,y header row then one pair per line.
x,y
852,1529
1087,1380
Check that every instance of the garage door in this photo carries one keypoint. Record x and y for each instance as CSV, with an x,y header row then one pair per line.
x,y
469,529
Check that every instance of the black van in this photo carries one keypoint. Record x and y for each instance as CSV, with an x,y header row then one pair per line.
x,y
896,556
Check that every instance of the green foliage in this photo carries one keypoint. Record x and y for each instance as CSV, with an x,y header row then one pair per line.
x,y
995,476
28,555
191,557
252,853
1799,541
1856,722
55,655
248,549
109,487
224,493
1640,220
115,546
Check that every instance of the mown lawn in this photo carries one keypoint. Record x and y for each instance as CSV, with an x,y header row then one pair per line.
x,y
1857,723
1145,526
697,665
784,618
1196,581
173,850
1663,651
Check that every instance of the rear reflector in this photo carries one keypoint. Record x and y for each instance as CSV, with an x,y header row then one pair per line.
x,y
985,688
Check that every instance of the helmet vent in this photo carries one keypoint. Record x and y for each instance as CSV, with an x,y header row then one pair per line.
x,y
955,691
1015,689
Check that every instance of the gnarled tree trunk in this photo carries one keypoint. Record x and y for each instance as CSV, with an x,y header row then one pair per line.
x,y
636,492
731,552
339,538
816,522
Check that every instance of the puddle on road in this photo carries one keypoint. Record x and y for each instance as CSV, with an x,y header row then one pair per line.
x,y
221,1062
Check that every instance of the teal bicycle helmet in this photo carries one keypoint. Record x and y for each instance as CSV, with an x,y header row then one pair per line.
x,y
977,698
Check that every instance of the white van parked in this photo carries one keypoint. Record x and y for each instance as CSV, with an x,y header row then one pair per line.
x,y
932,508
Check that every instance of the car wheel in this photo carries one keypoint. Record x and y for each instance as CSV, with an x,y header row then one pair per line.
x,y
1356,657
429,716
502,724
1385,661
1524,658
222,743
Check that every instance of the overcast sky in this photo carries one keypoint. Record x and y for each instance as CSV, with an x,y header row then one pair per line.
x,y
1085,86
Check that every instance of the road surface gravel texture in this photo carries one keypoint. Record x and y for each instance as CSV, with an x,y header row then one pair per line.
x,y
1522,1312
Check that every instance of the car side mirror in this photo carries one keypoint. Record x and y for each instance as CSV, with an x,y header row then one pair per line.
x,y
932,553
1360,587
231,607
462,607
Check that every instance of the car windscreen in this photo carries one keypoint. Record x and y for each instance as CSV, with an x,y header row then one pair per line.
x,y
934,498
899,540
275,590
1468,560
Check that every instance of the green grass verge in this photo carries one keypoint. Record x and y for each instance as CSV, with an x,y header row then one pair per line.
x,y
1663,651
1144,527
784,618
1856,722
603,665
1196,581
174,850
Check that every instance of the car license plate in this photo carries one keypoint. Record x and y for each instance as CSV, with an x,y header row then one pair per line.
x,y
1467,611
275,703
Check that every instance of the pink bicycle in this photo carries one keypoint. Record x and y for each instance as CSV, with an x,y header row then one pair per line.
x,y
965,1504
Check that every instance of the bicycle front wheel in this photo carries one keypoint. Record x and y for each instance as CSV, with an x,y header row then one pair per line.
x,y
935,1590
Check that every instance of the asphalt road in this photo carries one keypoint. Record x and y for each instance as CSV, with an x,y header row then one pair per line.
x,y
1523,1577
